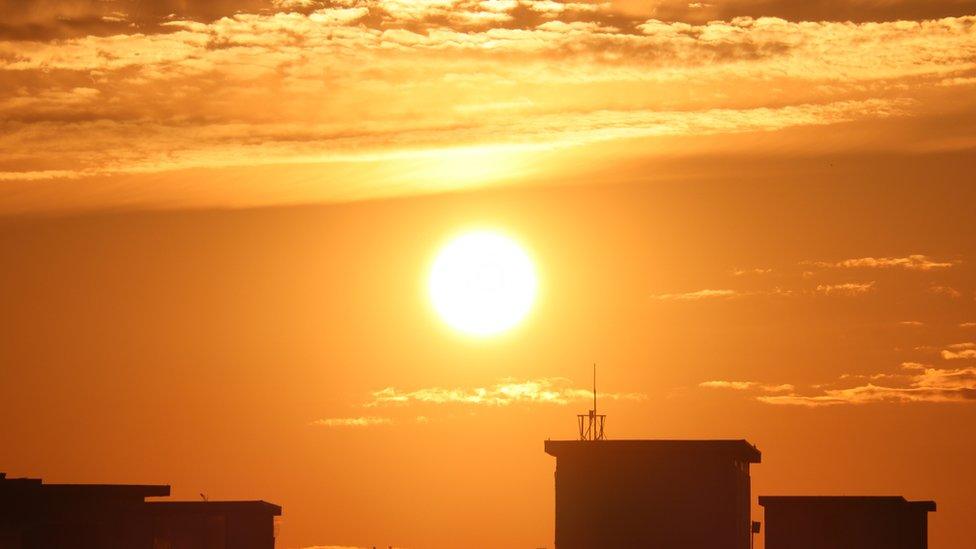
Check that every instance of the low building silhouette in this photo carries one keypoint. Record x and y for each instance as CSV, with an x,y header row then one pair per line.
x,y
687,494
833,522
35,515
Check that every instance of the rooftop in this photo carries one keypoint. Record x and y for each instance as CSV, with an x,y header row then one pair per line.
x,y
844,501
197,507
113,491
34,489
737,449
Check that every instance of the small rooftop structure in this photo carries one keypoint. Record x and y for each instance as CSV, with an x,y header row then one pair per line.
x,y
692,494
829,522
35,515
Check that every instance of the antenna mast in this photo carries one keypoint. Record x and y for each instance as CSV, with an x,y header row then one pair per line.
x,y
591,424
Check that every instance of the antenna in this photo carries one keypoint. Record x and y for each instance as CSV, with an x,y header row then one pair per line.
x,y
591,424
594,388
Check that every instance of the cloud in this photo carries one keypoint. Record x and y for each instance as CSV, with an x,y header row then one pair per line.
x,y
295,4
506,392
344,547
821,10
947,291
959,351
915,262
967,324
870,393
757,271
59,19
921,383
844,289
911,323
848,289
164,147
296,82
337,547
748,386
873,377
697,295
363,421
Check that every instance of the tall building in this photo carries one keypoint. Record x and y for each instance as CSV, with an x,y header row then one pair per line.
x,y
831,522
34,515
687,494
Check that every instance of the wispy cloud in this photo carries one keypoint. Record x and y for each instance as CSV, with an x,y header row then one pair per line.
x,y
915,323
919,383
756,271
697,295
748,386
504,393
363,421
870,393
947,291
850,289
333,547
915,262
338,546
873,377
967,325
847,288
959,351
557,391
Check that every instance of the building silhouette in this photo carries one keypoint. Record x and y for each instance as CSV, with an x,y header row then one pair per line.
x,y
34,515
678,494
836,522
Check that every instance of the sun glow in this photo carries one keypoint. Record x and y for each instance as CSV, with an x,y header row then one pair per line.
x,y
482,283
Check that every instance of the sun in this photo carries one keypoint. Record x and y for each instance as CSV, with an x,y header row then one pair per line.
x,y
482,283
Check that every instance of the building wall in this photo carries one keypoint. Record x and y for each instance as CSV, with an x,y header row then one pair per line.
x,y
606,499
213,531
861,527
95,527
141,530
190,531
82,525
245,531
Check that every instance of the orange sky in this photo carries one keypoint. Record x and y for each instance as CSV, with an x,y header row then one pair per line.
x,y
216,220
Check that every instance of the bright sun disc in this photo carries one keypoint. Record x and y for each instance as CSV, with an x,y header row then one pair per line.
x,y
482,283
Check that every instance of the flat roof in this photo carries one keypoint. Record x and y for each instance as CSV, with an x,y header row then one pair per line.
x,y
198,507
108,490
738,449
87,490
844,501
34,487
